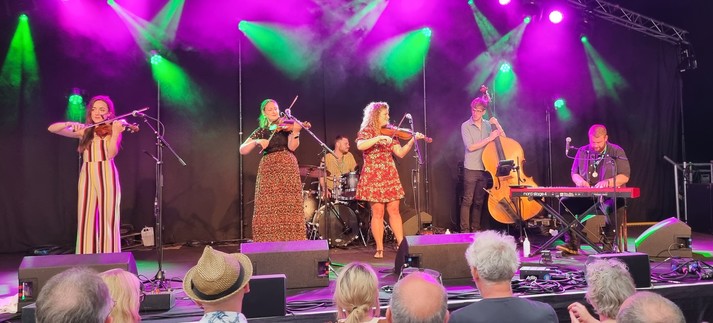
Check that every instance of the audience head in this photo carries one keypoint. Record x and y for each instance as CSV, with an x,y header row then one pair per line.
x,y
219,280
125,290
649,307
493,256
75,295
356,294
608,285
418,298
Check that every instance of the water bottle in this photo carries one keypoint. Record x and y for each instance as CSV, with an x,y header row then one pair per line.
x,y
526,247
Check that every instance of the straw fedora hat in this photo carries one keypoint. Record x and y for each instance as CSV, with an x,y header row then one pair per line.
x,y
217,275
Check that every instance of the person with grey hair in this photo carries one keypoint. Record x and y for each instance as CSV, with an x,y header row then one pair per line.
x,y
493,260
418,298
608,285
75,295
650,308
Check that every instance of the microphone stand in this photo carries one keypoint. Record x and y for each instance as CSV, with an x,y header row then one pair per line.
x,y
416,180
158,200
329,206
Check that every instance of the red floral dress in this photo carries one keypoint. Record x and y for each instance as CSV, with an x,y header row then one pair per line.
x,y
379,180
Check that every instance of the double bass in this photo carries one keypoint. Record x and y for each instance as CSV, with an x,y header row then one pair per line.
x,y
503,159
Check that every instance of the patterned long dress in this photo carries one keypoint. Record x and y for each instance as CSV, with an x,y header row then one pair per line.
x,y
279,213
379,180
99,201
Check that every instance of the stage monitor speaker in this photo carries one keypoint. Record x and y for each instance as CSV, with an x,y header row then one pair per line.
x,y
267,296
668,238
637,262
444,253
35,271
305,263
411,223
700,207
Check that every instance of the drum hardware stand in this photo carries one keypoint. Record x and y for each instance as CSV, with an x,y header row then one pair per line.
x,y
158,200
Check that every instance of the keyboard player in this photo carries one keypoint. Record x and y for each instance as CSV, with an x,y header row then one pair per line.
x,y
599,164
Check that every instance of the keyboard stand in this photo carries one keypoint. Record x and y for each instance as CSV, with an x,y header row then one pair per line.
x,y
575,226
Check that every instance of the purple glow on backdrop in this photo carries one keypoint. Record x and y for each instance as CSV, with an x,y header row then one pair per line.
x,y
556,16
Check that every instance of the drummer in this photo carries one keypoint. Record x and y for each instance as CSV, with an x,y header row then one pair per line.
x,y
338,165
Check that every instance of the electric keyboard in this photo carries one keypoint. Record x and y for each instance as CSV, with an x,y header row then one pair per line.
x,y
624,192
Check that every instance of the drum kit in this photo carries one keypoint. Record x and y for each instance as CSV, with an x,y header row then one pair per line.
x,y
340,219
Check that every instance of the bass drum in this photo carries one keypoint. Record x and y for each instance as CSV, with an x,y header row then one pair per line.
x,y
339,225
309,203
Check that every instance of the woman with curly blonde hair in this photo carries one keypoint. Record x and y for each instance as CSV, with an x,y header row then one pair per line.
x,y
356,294
125,290
379,183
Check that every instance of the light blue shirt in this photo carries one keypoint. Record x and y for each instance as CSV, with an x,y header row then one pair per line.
x,y
471,134
223,317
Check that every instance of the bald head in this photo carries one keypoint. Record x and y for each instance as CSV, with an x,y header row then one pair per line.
x,y
649,307
418,298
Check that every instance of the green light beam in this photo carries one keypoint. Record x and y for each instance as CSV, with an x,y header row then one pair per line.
x,y
176,85
606,80
166,20
401,58
487,30
282,47
19,75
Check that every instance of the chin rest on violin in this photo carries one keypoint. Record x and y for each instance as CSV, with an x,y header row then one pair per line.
x,y
401,133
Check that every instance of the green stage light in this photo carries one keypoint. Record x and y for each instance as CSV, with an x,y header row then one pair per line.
x,y
241,25
583,39
156,59
527,20
23,17
75,99
559,103
505,67
111,2
471,2
427,32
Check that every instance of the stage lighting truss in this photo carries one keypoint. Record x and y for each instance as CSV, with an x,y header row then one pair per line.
x,y
632,20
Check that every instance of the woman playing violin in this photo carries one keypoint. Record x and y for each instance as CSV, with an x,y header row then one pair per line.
x,y
99,189
278,214
379,182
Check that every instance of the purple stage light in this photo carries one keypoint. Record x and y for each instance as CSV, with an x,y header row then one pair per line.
x,y
556,16
504,2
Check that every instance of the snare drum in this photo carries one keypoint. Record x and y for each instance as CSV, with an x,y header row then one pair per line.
x,y
348,184
309,204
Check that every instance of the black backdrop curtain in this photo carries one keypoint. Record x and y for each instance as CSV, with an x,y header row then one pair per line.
x,y
39,170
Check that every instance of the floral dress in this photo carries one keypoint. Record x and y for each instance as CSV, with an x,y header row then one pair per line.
x,y
379,180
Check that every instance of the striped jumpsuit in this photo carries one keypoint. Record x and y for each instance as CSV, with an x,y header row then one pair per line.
x,y
99,199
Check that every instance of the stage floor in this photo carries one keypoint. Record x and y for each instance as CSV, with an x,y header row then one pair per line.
x,y
315,305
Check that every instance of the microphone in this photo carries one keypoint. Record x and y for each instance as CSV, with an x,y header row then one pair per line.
x,y
139,112
567,141
408,116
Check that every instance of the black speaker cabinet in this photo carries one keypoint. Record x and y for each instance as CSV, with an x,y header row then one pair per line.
x,y
305,263
444,253
637,262
35,271
267,296
668,238
699,198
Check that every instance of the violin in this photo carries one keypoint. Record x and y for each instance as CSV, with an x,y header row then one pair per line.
x,y
104,129
288,125
401,133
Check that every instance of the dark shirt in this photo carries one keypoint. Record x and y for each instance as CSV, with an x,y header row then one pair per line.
x,y
505,310
277,143
612,160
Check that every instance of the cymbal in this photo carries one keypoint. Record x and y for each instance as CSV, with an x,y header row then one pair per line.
x,y
311,171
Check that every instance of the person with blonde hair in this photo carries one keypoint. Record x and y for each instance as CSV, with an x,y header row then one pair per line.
x,y
356,294
608,285
379,183
125,290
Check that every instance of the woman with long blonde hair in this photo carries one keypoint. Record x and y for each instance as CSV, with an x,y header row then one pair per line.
x,y
379,183
356,294
125,290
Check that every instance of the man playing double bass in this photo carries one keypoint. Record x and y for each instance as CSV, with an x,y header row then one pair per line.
x,y
476,135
